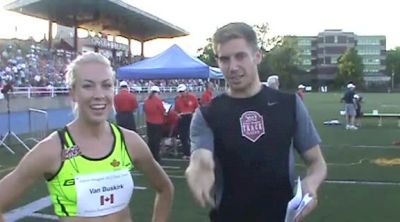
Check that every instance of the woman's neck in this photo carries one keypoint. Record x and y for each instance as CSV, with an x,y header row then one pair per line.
x,y
86,129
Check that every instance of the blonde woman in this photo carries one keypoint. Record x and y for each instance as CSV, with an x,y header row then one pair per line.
x,y
88,164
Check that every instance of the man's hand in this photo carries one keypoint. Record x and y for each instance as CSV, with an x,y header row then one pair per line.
x,y
200,177
310,206
316,173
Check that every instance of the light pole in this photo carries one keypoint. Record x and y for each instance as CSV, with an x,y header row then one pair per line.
x,y
392,80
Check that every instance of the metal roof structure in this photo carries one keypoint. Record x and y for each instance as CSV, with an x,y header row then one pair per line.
x,y
107,16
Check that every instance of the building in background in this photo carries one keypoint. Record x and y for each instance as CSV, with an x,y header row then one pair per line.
x,y
318,55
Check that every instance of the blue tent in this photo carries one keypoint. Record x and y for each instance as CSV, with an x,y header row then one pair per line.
x,y
215,73
173,63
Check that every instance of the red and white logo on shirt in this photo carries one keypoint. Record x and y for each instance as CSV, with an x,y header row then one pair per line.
x,y
252,125
106,199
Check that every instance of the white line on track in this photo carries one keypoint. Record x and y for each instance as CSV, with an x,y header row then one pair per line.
x,y
26,210
346,146
362,182
29,209
174,159
44,216
350,182
171,167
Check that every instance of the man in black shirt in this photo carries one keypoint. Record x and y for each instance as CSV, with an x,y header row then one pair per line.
x,y
242,142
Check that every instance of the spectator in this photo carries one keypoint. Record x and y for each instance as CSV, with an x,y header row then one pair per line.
x,y
185,105
300,91
350,106
125,104
154,112
273,82
357,101
208,94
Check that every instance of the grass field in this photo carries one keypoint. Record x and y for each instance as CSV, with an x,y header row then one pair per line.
x,y
357,187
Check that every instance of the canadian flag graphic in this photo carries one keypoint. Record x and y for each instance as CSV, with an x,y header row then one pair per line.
x,y
106,199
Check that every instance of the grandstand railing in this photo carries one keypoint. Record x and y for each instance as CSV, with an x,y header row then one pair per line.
x,y
54,91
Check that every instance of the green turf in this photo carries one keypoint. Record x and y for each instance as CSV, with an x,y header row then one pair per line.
x,y
350,156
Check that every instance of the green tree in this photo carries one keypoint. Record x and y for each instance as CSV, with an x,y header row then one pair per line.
x,y
283,60
207,54
350,68
265,41
393,64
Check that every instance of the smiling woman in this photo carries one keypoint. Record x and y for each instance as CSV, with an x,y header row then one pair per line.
x,y
90,153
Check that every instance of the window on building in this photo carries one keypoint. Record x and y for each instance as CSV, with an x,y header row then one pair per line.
x,y
329,39
304,42
334,59
342,39
305,52
327,60
306,62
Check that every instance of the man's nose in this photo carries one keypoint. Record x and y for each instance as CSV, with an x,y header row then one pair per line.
x,y
233,65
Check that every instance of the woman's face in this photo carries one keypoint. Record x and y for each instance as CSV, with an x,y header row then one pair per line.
x,y
94,92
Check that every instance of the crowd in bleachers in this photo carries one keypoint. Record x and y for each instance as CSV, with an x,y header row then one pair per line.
x,y
38,67
192,84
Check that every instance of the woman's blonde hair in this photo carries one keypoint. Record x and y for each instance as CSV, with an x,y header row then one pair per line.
x,y
73,67
89,57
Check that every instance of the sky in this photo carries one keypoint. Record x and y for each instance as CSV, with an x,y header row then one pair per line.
x,y
202,18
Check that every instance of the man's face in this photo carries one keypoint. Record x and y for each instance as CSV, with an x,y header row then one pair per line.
x,y
238,62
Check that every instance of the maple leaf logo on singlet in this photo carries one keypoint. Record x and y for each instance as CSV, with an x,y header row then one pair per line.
x,y
115,163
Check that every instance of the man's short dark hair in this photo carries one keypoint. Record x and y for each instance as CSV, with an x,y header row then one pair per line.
x,y
237,30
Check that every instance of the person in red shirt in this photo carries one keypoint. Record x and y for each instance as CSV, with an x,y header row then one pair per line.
x,y
207,95
170,127
185,105
154,112
125,104
300,91
170,133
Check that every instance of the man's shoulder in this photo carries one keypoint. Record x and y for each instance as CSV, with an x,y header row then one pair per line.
x,y
220,97
277,94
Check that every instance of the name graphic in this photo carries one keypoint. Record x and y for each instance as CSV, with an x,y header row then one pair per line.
x,y
253,128
106,189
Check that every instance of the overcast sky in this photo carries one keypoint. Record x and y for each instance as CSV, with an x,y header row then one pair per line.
x,y
286,17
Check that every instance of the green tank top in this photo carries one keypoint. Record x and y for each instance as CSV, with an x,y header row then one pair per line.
x,y
62,186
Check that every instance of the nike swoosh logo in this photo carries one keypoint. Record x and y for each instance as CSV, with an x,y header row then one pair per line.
x,y
272,103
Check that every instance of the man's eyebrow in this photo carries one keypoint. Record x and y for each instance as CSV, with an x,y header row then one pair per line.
x,y
221,57
226,57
